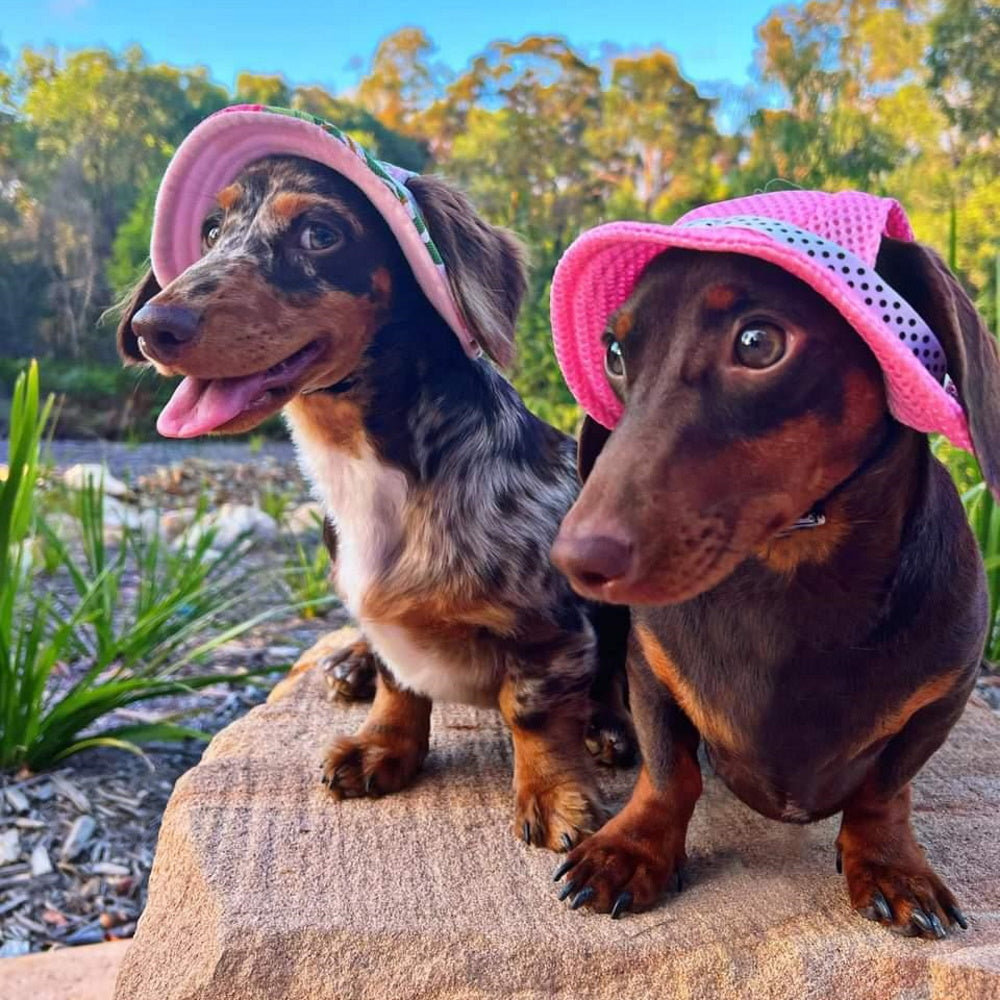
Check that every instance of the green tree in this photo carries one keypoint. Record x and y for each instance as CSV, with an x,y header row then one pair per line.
x,y
254,88
657,140
512,130
965,67
402,80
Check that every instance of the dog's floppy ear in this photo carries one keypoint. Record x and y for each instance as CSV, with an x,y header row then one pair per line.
x,y
485,265
593,437
128,346
973,359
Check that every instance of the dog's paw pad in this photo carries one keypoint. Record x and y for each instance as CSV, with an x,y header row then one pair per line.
x,y
358,766
913,902
350,673
558,815
613,873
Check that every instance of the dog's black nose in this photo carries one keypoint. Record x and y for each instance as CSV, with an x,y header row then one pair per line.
x,y
592,560
165,331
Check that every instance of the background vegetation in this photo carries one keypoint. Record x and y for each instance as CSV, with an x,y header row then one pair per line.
x,y
893,96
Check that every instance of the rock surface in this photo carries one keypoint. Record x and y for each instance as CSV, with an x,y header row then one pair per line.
x,y
86,973
264,887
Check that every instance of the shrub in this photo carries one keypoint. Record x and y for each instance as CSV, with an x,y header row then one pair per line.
x,y
114,655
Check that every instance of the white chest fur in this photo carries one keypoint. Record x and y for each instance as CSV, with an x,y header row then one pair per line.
x,y
365,499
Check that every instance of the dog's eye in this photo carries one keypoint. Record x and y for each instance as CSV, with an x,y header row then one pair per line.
x,y
614,363
316,236
211,229
760,345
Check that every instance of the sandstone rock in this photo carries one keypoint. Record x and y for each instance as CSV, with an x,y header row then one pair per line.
x,y
264,888
77,477
232,521
86,973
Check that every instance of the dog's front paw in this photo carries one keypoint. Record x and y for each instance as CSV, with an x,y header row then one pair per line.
x,y
372,764
611,737
557,815
617,870
907,898
350,673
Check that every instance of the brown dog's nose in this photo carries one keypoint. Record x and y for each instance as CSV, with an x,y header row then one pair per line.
x,y
592,560
164,331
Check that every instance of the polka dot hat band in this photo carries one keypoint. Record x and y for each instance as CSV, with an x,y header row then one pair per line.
x,y
830,241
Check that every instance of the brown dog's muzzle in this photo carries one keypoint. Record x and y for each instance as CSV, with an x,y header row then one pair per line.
x,y
592,561
165,332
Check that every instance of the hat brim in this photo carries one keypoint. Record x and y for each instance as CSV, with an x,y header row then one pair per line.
x,y
599,271
218,149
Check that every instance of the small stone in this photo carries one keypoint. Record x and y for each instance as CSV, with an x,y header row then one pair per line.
x,y
78,837
278,654
17,799
41,863
13,902
88,934
173,523
43,792
65,788
10,846
231,522
109,868
77,477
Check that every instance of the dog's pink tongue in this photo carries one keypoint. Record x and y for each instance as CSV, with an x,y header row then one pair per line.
x,y
198,406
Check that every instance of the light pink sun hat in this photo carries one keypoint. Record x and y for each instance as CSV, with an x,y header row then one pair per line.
x,y
829,241
217,150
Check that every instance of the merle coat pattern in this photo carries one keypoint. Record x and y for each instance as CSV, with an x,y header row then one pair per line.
x,y
443,492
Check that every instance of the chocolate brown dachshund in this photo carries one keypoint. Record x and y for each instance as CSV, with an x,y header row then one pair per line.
x,y
821,667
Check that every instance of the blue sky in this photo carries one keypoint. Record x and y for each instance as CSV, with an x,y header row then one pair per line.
x,y
324,42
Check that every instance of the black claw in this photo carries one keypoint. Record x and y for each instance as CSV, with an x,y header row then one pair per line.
x,y
567,890
957,917
622,903
882,909
562,869
584,896
370,788
567,841
920,920
937,927
840,863
678,875
526,832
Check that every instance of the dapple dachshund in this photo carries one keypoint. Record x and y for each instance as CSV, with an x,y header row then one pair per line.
x,y
443,492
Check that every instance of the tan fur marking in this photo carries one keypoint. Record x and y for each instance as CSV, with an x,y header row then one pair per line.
x,y
229,196
721,296
333,420
815,545
623,324
288,205
714,727
555,786
439,614
892,722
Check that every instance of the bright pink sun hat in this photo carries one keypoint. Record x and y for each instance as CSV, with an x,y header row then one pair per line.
x,y
217,150
829,241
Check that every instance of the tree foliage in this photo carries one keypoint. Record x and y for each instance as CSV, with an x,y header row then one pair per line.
x,y
896,97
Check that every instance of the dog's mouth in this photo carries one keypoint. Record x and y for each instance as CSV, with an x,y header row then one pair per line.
x,y
201,406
